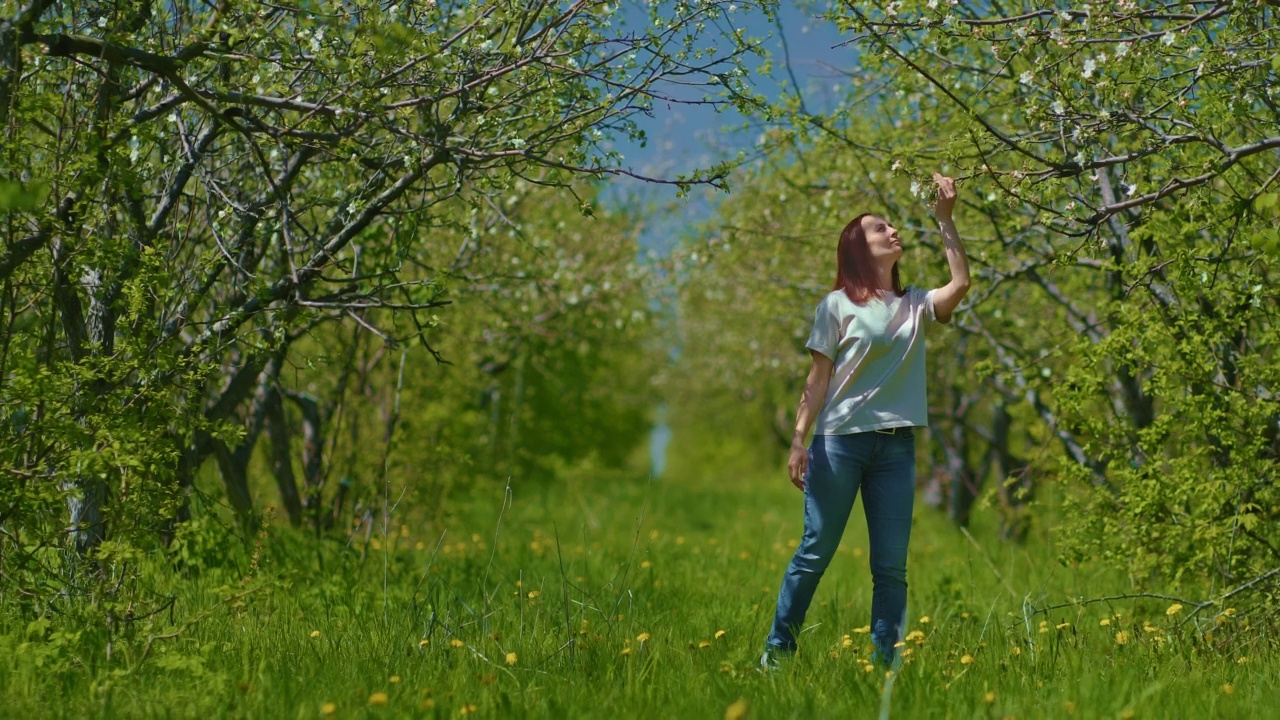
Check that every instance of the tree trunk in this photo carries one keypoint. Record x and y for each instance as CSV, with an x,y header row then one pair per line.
x,y
277,426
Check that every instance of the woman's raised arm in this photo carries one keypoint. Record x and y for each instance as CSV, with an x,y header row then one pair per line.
x,y
948,297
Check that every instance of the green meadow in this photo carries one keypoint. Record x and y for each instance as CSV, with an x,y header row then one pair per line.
x,y
620,596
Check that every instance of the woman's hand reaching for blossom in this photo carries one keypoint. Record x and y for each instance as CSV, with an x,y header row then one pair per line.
x,y
946,196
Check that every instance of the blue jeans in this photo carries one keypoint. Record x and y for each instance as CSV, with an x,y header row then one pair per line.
x,y
884,467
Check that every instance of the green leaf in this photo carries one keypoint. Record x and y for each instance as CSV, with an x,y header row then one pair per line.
x,y
17,197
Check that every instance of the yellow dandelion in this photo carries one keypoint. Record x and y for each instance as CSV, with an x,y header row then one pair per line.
x,y
625,651
646,564
424,642
533,594
511,658
906,654
989,698
1015,650
1228,688
966,659
1174,609
737,710
642,637
328,708
393,679
466,709
863,630
720,634
964,615
378,698
925,620
1104,622
456,643
704,644
315,633
868,667
1063,626
846,642
421,545
1242,660
1122,638
857,552
1229,612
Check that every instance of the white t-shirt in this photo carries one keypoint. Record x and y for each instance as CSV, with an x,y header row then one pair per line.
x,y
878,350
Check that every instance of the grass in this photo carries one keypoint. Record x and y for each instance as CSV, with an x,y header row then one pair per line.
x,y
628,598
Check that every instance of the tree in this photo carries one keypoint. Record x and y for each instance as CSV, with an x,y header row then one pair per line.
x,y
1118,167
191,189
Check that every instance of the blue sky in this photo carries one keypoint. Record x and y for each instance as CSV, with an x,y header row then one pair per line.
x,y
683,137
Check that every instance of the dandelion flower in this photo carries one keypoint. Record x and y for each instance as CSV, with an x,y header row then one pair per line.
x,y
424,642
511,658
863,630
393,679
328,708
1015,650
720,634
915,636
1174,609
315,633
1243,659
378,698
704,644
846,642
1228,689
1229,612
868,667
989,698
1122,638
456,643
925,620
625,651
467,709
1063,626
966,659
737,710
533,594
1104,622
646,564
642,637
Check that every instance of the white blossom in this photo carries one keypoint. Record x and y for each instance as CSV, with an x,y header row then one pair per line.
x,y
1059,107
1122,49
1169,38
1027,77
1089,67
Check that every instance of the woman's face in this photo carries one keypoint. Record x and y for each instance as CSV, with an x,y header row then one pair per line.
x,y
882,238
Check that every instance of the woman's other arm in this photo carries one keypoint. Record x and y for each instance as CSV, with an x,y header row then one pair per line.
x,y
811,401
948,297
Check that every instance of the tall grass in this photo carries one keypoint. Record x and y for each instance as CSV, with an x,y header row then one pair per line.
x,y
624,597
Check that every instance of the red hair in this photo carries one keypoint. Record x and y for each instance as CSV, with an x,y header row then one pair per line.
x,y
855,272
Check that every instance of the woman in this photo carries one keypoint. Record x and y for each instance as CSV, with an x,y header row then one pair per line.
x,y
866,390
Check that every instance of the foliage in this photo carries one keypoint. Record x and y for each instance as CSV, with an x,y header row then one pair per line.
x,y
1118,203
191,190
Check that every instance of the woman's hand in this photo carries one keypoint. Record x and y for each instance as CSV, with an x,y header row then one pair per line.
x,y
798,463
946,196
